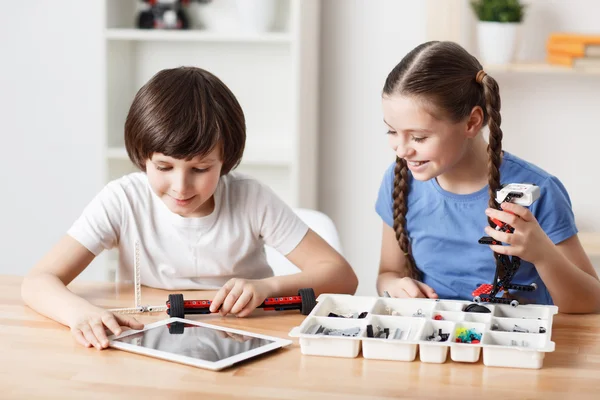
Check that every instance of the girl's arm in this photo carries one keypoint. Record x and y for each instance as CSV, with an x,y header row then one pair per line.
x,y
565,268
44,290
393,276
570,278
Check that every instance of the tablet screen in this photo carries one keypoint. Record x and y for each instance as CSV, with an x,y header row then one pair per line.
x,y
194,341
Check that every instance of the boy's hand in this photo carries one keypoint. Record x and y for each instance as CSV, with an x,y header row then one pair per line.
x,y
409,288
88,328
529,241
240,296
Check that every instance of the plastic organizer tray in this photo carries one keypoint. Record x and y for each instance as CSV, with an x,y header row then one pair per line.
x,y
411,321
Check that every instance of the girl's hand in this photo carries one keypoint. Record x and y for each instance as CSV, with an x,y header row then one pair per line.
x,y
529,241
409,288
240,296
88,328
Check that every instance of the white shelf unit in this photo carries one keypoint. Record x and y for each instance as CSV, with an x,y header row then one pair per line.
x,y
273,75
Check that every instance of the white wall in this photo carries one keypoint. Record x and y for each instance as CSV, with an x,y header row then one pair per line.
x,y
550,120
361,42
51,113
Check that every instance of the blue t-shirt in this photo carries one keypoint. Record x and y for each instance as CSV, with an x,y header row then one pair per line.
x,y
444,229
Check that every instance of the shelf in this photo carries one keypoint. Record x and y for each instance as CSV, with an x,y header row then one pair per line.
x,y
541,68
590,242
271,154
131,34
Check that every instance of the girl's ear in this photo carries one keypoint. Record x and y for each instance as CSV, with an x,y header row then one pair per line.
x,y
475,122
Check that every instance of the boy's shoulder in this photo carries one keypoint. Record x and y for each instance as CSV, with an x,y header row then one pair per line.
x,y
242,183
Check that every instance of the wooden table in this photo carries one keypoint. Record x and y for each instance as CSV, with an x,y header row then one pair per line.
x,y
40,360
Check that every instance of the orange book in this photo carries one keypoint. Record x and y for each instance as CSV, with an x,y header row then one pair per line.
x,y
565,37
568,60
576,49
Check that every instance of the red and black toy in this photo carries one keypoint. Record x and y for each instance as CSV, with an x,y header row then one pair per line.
x,y
506,267
177,307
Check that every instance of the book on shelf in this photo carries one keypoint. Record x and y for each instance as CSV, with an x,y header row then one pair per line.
x,y
574,50
568,60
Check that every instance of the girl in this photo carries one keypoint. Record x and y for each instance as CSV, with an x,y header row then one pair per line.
x,y
200,226
435,200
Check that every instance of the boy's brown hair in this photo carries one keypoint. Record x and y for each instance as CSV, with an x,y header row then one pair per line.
x,y
182,113
446,78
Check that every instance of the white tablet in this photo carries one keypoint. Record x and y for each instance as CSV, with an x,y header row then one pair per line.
x,y
195,343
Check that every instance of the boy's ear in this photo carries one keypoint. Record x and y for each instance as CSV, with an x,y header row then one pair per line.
x,y
474,122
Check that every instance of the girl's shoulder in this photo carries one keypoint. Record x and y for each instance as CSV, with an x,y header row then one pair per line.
x,y
517,170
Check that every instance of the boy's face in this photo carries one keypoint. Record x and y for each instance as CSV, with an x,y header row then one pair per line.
x,y
186,187
430,146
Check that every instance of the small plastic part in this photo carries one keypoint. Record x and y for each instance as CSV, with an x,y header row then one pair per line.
x,y
176,308
308,300
476,308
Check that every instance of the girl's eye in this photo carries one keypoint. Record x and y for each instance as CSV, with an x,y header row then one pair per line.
x,y
200,171
419,139
163,168
390,133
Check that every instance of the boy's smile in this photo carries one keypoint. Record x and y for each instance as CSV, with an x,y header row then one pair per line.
x,y
186,186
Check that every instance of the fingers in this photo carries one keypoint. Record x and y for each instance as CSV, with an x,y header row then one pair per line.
x,y
219,298
411,288
504,237
90,336
524,213
100,333
507,250
241,304
427,290
127,321
232,297
79,338
507,218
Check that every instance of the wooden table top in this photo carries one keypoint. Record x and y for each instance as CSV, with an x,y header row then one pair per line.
x,y
39,359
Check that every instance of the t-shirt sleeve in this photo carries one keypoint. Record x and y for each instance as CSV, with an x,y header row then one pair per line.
x,y
384,205
553,211
99,226
276,222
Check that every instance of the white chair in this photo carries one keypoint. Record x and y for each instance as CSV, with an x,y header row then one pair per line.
x,y
318,222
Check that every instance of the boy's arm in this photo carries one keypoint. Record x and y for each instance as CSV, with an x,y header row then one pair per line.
x,y
322,268
44,287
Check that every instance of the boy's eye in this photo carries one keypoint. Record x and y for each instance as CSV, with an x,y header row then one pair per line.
x,y
201,170
390,132
419,139
162,168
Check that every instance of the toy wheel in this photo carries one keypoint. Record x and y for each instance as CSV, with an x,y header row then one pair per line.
x,y
514,303
308,300
176,328
176,309
477,299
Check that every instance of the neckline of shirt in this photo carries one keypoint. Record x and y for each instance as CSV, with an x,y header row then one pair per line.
x,y
483,192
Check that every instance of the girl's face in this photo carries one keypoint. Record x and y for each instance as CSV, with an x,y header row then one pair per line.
x,y
186,187
431,146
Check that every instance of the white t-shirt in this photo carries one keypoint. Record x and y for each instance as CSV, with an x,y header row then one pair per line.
x,y
189,253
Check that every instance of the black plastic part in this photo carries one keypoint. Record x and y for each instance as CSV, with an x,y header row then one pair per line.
x,y
309,300
176,328
176,309
476,308
369,330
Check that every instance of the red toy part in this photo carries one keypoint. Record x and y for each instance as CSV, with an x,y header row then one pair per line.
x,y
483,289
